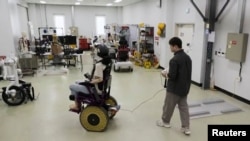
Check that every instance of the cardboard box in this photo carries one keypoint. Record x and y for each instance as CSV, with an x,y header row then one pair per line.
x,y
56,49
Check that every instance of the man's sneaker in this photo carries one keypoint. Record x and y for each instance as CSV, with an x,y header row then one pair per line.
x,y
162,124
186,130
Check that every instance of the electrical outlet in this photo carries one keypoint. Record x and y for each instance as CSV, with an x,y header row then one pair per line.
x,y
223,54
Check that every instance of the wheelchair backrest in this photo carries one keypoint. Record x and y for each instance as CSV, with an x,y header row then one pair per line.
x,y
107,77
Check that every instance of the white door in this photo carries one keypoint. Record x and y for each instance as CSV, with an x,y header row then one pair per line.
x,y
185,32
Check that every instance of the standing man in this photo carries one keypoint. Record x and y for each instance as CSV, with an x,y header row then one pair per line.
x,y
179,81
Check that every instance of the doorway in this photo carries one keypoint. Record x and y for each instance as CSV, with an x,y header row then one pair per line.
x,y
186,33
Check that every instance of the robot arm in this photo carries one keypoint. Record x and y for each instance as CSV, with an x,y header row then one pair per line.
x,y
10,69
1,62
2,68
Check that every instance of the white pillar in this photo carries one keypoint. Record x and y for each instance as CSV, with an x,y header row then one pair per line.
x,y
10,27
166,54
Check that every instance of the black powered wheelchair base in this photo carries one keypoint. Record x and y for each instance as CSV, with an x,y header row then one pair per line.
x,y
95,111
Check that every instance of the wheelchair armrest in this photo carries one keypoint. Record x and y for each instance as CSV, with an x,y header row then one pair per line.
x,y
78,81
86,83
87,75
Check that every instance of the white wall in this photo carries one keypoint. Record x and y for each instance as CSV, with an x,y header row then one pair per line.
x,y
226,71
84,16
171,13
51,10
151,16
42,16
196,52
10,30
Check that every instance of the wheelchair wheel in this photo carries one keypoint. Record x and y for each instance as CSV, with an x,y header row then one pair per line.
x,y
94,118
130,69
111,102
116,70
14,99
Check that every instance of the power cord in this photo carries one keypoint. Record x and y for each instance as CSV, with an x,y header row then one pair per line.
x,y
240,77
37,96
143,102
163,84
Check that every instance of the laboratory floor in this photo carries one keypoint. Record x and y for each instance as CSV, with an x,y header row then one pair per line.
x,y
140,94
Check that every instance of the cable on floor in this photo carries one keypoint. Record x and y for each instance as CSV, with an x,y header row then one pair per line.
x,y
37,96
163,84
143,102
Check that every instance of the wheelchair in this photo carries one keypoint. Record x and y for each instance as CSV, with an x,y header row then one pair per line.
x,y
17,94
18,91
122,60
97,107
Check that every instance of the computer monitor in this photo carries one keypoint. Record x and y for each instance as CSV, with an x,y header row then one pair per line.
x,y
48,37
71,40
62,40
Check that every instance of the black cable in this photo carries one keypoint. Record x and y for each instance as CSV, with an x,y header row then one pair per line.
x,y
35,98
240,71
165,81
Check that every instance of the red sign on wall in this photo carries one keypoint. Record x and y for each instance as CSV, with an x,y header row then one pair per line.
x,y
233,42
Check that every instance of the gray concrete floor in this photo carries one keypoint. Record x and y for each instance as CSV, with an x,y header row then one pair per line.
x,y
140,94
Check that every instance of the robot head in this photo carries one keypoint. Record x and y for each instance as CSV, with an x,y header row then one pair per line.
x,y
102,51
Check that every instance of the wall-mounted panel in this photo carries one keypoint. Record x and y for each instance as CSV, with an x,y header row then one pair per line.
x,y
236,47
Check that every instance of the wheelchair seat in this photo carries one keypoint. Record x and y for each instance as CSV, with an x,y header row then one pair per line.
x,y
96,96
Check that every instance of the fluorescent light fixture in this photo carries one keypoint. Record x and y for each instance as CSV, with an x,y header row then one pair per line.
x,y
79,0
43,2
117,1
109,4
77,3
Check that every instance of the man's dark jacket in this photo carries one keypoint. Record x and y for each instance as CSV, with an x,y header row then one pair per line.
x,y
179,75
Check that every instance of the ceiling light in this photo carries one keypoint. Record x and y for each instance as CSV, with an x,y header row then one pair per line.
x,y
79,0
109,4
116,1
77,3
43,2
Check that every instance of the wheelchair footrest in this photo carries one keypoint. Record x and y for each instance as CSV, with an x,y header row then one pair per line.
x,y
115,108
75,111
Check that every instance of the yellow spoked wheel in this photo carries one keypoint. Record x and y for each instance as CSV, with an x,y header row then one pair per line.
x,y
111,102
94,118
